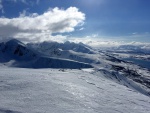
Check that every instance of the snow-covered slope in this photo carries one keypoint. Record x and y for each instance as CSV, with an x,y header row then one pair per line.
x,y
109,85
75,56
66,91
48,62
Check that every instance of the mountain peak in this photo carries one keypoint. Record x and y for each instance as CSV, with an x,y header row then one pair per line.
x,y
14,42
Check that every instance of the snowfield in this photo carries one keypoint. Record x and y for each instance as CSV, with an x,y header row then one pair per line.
x,y
66,91
83,80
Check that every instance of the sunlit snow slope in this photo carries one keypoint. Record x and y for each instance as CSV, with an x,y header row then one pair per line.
x,y
66,91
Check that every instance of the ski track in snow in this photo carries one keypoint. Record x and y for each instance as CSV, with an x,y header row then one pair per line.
x,y
65,91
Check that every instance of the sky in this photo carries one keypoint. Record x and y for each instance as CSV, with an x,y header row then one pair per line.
x,y
78,20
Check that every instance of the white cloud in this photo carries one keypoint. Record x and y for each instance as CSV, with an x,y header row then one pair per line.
x,y
135,33
41,27
102,42
96,42
82,28
24,13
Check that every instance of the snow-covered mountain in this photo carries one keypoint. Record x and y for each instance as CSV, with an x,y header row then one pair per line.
x,y
78,52
14,49
15,53
84,80
75,56
52,46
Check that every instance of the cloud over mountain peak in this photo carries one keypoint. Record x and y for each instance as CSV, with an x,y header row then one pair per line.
x,y
42,26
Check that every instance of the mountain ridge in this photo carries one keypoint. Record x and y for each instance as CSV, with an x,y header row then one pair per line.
x,y
24,56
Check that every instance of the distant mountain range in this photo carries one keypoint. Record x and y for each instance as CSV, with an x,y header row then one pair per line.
x,y
15,53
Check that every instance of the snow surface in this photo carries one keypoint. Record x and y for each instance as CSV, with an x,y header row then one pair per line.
x,y
106,85
14,53
66,91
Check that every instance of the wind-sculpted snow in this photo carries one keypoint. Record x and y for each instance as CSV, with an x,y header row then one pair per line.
x,y
66,91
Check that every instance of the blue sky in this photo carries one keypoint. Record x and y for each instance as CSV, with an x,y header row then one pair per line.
x,y
127,20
